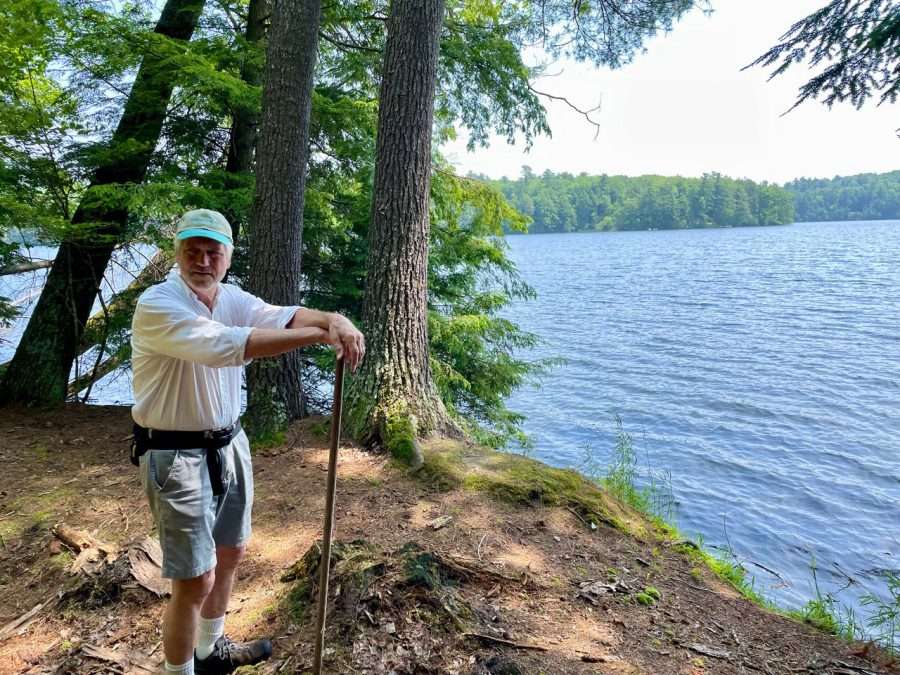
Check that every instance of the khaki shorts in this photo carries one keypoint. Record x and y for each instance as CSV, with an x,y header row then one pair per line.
x,y
192,521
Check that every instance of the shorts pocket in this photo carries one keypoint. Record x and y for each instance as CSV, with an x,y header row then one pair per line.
x,y
162,465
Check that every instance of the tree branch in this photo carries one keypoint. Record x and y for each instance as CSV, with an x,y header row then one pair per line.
x,y
585,113
28,266
340,44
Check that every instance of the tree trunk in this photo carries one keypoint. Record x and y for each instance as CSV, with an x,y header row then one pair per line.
x,y
393,399
242,143
39,371
274,391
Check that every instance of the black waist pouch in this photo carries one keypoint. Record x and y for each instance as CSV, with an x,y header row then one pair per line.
x,y
211,440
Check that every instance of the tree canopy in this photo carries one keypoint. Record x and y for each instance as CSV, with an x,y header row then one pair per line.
x,y
566,203
867,196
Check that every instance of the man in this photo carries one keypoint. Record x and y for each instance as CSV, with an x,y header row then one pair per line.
x,y
191,338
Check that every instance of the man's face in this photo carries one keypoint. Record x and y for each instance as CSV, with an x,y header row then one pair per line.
x,y
203,262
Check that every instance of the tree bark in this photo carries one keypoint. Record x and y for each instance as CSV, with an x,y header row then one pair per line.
x,y
242,142
393,399
274,391
39,371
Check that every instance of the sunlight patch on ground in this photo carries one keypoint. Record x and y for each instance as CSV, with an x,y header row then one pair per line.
x,y
522,558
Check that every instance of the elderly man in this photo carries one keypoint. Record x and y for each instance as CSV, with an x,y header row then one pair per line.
x,y
192,336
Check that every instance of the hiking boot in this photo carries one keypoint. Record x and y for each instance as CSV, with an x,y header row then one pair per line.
x,y
228,656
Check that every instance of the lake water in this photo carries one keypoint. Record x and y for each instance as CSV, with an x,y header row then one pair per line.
x,y
760,366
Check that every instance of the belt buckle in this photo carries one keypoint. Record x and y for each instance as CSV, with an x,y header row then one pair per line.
x,y
218,434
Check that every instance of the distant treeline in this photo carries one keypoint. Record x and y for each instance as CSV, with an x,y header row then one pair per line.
x,y
567,203
867,196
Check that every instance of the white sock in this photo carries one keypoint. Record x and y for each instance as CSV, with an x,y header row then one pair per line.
x,y
208,632
183,669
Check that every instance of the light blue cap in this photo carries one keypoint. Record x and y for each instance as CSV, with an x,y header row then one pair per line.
x,y
204,223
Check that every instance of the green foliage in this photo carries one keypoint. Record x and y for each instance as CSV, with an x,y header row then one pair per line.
x,y
266,419
484,82
856,43
567,203
470,280
622,474
728,568
885,618
819,612
603,32
867,196
654,500
648,597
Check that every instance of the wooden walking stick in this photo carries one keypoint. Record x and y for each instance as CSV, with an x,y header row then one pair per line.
x,y
325,560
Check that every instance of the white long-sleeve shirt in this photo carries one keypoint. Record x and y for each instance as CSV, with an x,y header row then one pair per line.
x,y
187,362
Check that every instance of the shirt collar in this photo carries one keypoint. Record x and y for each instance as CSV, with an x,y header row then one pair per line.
x,y
187,291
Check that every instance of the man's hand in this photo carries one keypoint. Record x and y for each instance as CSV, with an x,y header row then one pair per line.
x,y
347,341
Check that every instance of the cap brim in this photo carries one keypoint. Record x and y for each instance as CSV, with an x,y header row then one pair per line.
x,y
203,232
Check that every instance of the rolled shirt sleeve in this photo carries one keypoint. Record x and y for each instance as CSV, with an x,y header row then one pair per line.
x,y
260,314
162,328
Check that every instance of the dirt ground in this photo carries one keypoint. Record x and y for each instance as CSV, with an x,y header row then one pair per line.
x,y
538,591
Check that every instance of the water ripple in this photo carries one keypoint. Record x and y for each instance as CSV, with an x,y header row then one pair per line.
x,y
759,365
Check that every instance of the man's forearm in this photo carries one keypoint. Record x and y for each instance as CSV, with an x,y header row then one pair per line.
x,y
272,342
310,318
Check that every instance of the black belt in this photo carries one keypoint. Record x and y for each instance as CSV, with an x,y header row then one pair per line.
x,y
211,440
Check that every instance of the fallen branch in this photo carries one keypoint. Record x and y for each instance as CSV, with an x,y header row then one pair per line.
x,y
506,643
713,652
100,370
29,266
22,621
461,566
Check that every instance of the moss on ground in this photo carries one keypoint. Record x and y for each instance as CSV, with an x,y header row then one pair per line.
x,y
35,513
519,480
400,436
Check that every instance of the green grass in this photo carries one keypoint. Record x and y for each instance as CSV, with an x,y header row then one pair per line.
x,y
885,619
268,440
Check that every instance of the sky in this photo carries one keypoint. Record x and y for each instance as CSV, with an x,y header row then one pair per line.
x,y
685,108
